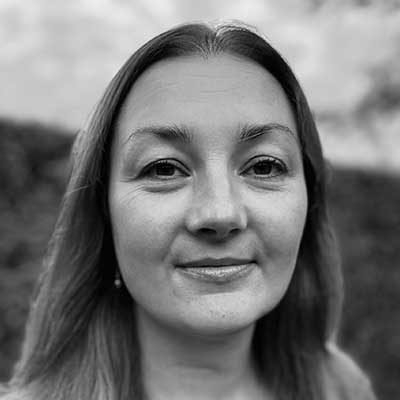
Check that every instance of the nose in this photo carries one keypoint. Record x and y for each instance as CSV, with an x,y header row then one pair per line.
x,y
216,211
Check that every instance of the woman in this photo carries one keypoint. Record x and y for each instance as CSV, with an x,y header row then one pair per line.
x,y
193,257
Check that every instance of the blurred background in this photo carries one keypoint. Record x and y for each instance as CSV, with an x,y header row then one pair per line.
x,y
57,58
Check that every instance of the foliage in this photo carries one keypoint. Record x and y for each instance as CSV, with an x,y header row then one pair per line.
x,y
366,212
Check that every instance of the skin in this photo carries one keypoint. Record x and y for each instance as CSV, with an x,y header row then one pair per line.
x,y
216,198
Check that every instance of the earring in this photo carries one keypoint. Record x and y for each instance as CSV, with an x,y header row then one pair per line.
x,y
117,279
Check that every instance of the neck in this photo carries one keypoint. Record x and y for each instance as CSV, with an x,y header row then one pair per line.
x,y
178,365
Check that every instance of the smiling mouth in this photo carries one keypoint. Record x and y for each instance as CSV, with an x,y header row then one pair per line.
x,y
217,271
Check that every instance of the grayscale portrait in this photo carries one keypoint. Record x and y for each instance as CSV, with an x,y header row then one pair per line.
x,y
203,245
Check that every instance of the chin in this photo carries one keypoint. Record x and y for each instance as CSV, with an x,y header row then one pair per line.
x,y
221,320
219,329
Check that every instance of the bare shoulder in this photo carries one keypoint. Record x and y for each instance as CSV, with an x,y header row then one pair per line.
x,y
346,378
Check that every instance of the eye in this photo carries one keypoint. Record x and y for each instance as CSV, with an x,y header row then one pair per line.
x,y
163,169
266,168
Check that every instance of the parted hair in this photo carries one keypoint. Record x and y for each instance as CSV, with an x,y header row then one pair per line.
x,y
80,339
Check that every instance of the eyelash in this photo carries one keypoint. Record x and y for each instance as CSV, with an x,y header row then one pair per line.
x,y
272,162
151,168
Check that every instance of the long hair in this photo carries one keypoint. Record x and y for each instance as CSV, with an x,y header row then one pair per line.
x,y
80,339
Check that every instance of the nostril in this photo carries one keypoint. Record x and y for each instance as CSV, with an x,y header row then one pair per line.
x,y
215,221
207,231
218,234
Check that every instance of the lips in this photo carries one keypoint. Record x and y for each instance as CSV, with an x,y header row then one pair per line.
x,y
217,270
215,262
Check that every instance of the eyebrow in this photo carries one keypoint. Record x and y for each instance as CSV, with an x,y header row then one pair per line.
x,y
172,133
252,131
183,134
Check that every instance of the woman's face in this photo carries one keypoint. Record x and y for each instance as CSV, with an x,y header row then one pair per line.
x,y
207,193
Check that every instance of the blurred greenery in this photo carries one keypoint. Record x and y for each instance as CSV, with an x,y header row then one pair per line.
x,y
365,207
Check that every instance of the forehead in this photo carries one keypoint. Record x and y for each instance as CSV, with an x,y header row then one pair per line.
x,y
219,91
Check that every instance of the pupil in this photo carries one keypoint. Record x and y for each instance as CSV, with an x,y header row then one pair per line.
x,y
263,168
165,170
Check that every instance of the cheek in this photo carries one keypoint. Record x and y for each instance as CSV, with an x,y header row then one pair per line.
x,y
143,227
280,219
289,224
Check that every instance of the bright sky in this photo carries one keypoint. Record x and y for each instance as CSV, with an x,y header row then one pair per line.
x,y
57,57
